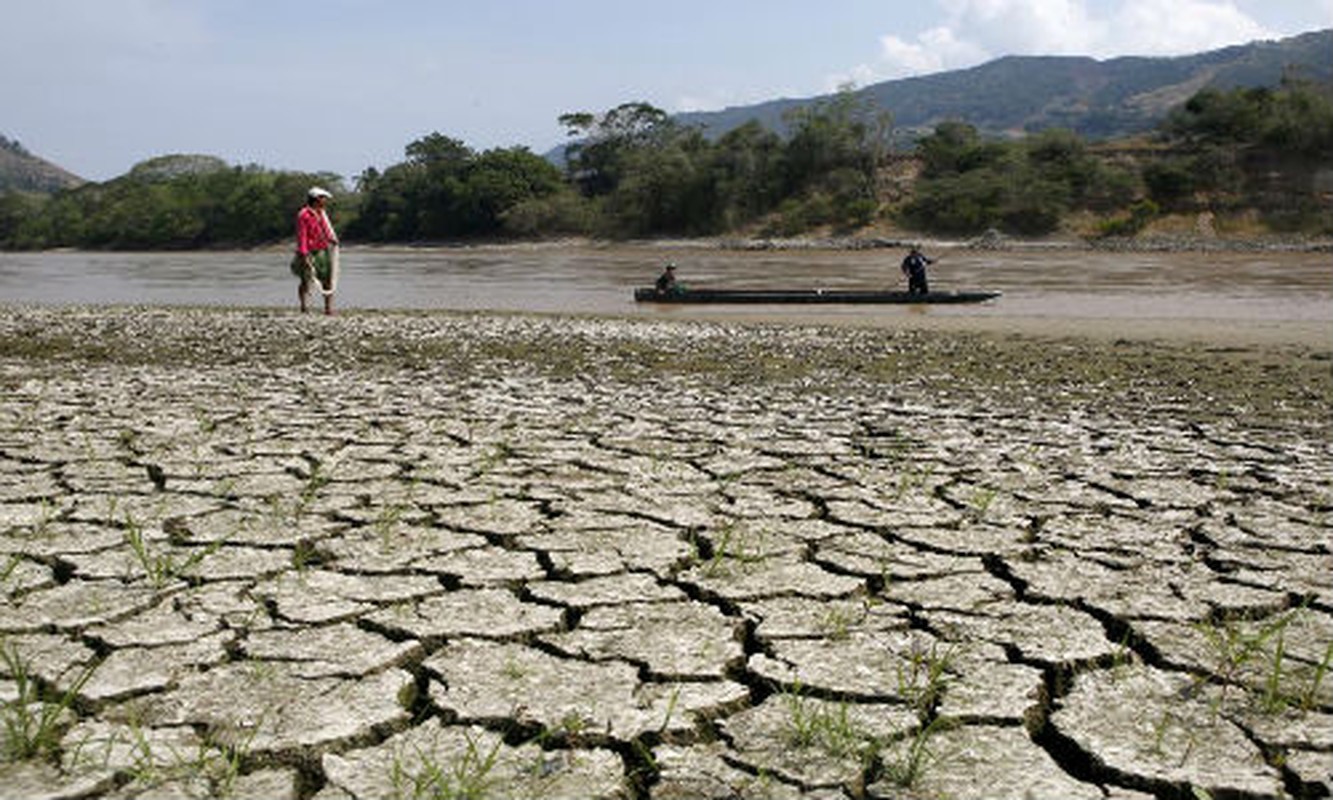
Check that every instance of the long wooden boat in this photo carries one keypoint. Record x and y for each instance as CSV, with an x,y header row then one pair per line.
x,y
650,295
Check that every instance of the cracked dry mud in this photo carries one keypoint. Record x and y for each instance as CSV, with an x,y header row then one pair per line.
x,y
251,554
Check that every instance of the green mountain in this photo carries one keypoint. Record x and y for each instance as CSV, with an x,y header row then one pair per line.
x,y
1097,99
24,172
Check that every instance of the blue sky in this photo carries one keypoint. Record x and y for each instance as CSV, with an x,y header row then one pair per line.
x,y
340,85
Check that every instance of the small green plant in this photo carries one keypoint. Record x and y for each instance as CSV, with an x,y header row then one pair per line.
x,y
980,503
827,727
730,549
837,622
1236,648
261,671
512,669
468,778
800,731
315,481
670,710
10,565
304,554
1273,700
646,766
32,722
222,762
1123,657
1160,729
47,515
922,680
1311,694
207,425
572,725
386,522
913,758
914,478
211,761
160,568
128,439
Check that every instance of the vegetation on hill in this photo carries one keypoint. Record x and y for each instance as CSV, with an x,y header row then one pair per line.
x,y
1096,99
21,171
635,171
1221,152
167,202
1257,149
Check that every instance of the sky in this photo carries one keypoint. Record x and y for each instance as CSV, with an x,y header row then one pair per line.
x,y
96,86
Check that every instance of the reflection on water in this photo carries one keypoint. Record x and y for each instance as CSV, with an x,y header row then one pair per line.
x,y
1263,286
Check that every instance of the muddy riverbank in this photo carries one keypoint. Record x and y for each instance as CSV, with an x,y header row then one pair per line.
x,y
419,554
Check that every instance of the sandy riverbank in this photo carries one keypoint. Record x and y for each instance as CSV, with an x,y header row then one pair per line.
x,y
543,556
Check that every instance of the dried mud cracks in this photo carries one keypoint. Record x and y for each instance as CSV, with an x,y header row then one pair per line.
x,y
256,555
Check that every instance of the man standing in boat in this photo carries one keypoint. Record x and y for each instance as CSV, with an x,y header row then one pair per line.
x,y
914,267
315,254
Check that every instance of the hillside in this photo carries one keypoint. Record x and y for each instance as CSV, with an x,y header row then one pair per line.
x,y
22,171
1097,99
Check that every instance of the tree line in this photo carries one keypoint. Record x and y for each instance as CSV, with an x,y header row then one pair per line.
x,y
633,171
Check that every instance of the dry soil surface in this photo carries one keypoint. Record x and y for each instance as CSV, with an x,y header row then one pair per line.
x,y
248,553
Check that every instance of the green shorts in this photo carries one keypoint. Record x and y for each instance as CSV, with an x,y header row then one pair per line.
x,y
320,260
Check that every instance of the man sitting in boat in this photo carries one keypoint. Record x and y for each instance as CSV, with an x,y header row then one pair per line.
x,y
666,282
914,267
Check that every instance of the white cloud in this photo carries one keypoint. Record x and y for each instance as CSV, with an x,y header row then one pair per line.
x,y
1022,26
1165,27
974,31
932,51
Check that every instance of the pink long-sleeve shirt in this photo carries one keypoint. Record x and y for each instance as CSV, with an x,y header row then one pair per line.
x,y
311,232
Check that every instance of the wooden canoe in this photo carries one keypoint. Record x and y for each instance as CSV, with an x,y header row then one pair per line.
x,y
650,295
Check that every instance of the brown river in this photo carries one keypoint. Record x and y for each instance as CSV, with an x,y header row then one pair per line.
x,y
1116,288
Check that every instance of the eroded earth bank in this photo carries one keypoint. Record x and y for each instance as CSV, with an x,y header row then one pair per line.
x,y
251,554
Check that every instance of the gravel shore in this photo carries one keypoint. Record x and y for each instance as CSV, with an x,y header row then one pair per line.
x,y
250,553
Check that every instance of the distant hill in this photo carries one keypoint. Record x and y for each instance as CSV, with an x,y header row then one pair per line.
x,y
1097,99
22,171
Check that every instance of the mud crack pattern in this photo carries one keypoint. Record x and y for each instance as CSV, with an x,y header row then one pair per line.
x,y
392,555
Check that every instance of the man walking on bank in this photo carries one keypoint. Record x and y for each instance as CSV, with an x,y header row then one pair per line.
x,y
914,267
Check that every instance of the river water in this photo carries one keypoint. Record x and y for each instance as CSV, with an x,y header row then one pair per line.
x,y
1241,287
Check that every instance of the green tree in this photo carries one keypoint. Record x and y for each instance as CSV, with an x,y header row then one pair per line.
x,y
667,186
954,148
19,215
445,190
1301,120
1216,117
596,159
747,167
834,153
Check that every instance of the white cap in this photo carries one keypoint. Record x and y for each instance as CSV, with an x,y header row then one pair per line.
x,y
316,191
